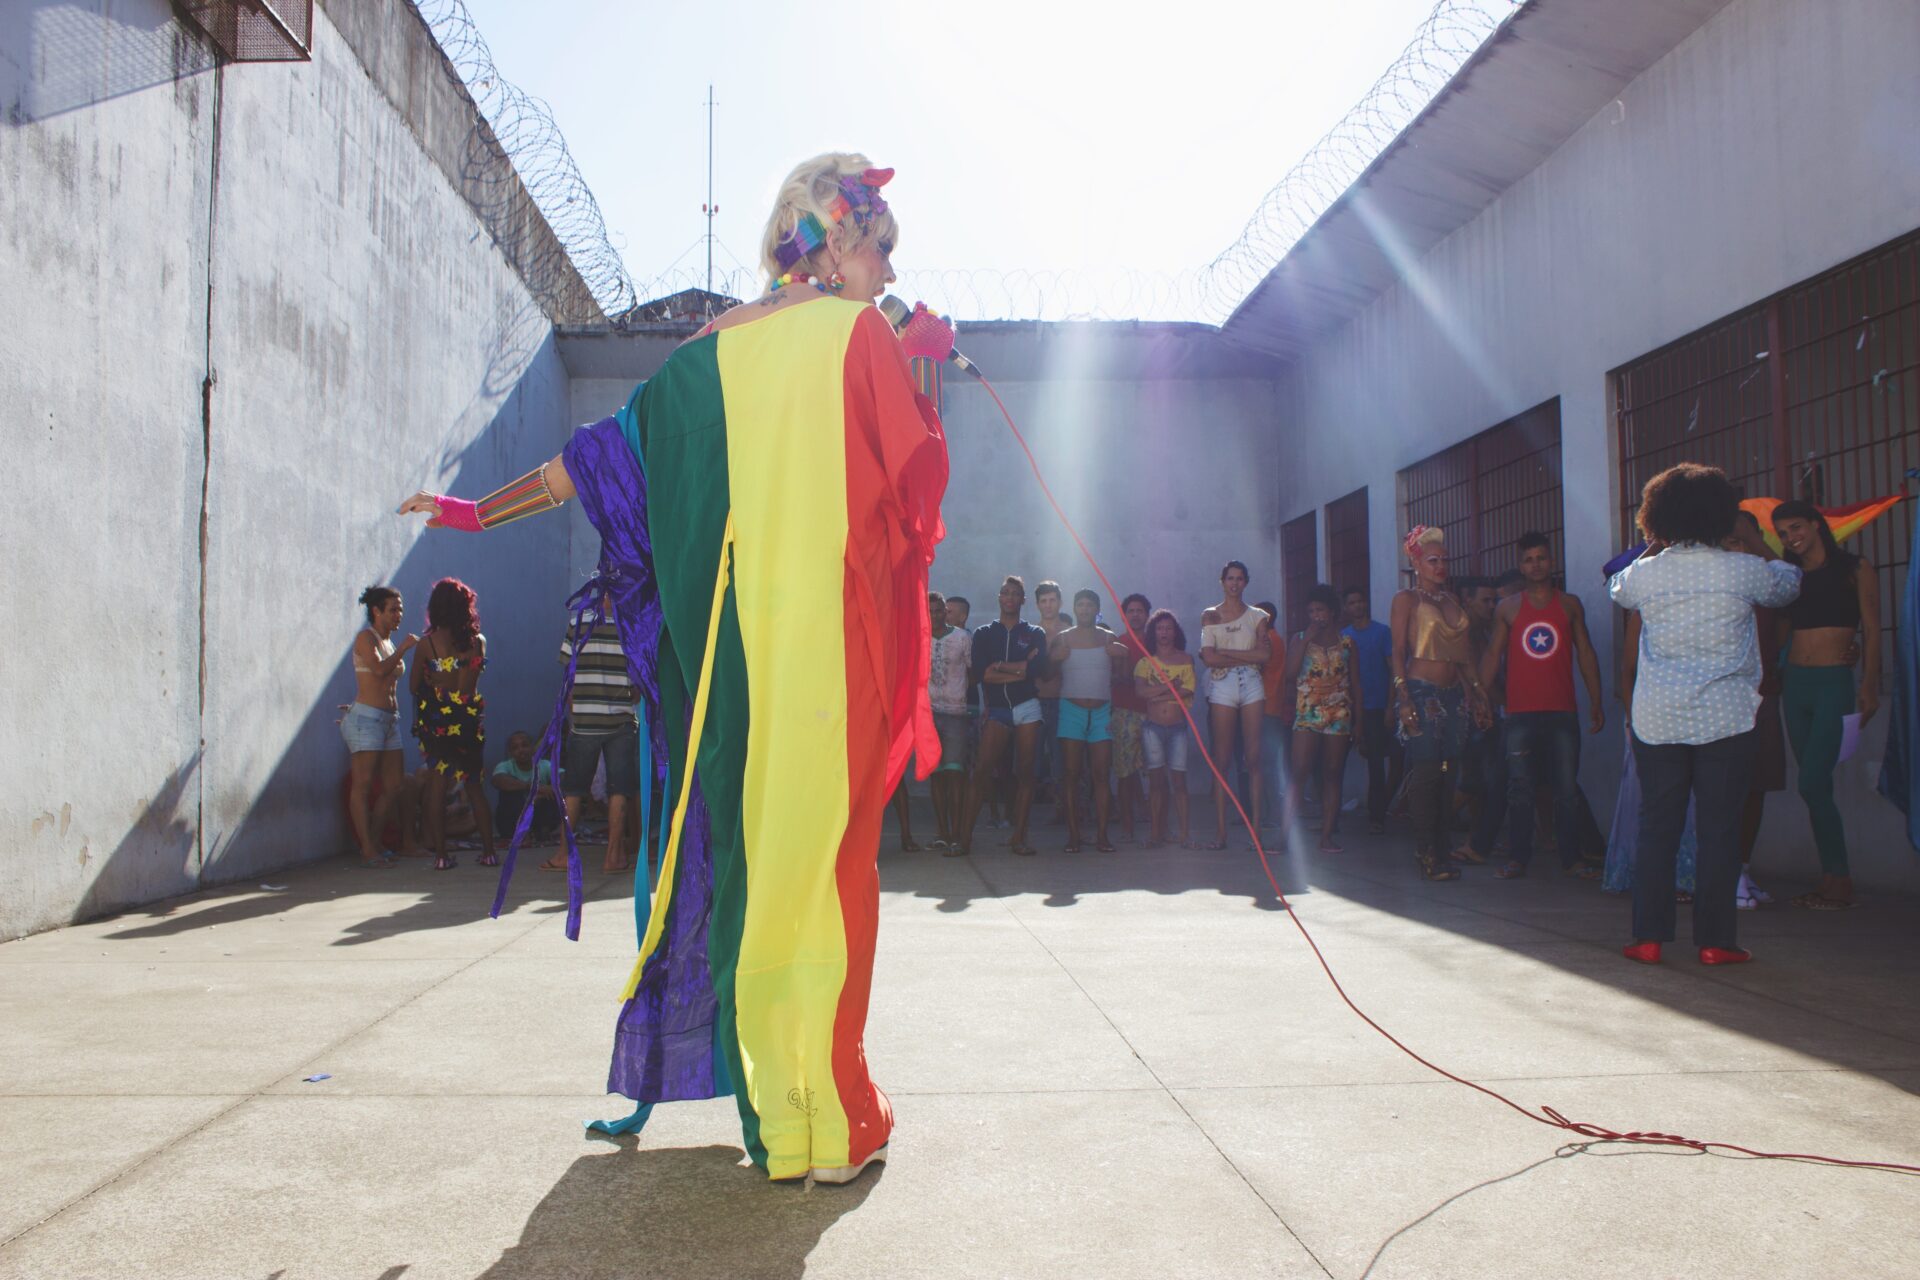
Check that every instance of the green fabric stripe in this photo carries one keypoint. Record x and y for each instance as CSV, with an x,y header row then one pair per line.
x,y
684,440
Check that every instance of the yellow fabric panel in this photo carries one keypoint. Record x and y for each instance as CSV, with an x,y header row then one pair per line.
x,y
783,382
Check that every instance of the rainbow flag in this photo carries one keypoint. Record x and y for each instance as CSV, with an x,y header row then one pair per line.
x,y
1845,521
793,482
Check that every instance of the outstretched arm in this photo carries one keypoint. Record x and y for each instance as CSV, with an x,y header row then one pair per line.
x,y
542,489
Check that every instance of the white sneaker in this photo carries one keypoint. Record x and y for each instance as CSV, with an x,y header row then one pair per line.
x,y
1746,897
847,1172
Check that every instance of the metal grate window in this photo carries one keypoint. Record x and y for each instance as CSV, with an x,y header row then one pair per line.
x,y
254,30
1300,568
1348,563
1813,393
1488,490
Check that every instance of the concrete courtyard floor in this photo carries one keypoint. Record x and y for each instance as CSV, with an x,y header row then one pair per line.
x,y
1102,1065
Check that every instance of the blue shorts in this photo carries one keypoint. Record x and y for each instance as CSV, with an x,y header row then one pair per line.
x,y
1085,724
370,729
1020,713
955,746
1165,745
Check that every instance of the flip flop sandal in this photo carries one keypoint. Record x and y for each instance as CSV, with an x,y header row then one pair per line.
x,y
551,865
1025,851
445,862
487,860
1069,848
1820,903
1468,854
1512,871
1582,871
1103,847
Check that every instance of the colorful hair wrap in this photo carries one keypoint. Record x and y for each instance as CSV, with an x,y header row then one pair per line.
x,y
859,195
529,495
1415,537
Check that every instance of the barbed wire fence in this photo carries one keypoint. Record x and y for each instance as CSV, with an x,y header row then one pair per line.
x,y
521,131
1439,48
521,138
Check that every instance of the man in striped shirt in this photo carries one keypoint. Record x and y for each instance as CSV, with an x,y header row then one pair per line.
x,y
601,727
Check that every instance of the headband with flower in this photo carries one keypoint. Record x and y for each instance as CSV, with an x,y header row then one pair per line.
x,y
859,195
1416,537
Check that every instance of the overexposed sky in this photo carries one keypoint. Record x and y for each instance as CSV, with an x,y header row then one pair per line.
x,y
1028,136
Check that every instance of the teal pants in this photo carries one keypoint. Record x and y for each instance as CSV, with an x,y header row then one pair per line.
x,y
1813,701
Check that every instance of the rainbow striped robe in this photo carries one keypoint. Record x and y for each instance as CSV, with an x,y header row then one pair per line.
x,y
789,485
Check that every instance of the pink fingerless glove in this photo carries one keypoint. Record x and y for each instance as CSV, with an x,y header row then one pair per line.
x,y
458,513
926,335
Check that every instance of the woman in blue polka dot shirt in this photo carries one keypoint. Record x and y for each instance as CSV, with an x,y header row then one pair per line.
x,y
1694,700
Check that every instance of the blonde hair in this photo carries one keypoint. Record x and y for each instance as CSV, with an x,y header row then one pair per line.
x,y
1421,536
811,188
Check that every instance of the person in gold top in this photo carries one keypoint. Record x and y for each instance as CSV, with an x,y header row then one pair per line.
x,y
1437,695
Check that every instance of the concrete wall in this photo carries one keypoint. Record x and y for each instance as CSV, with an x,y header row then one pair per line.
x,y
278,233
1772,144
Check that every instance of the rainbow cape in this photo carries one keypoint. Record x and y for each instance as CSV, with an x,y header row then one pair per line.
x,y
778,528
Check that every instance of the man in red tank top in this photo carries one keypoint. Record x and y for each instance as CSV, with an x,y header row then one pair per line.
x,y
1540,633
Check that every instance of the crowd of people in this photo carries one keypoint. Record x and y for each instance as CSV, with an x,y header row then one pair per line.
x,y
397,815
1464,708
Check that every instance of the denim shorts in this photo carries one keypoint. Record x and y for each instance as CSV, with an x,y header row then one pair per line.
x,y
1027,712
370,729
582,758
1236,687
1085,724
954,729
1165,745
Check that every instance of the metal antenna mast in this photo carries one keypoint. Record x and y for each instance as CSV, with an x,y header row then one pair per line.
x,y
710,208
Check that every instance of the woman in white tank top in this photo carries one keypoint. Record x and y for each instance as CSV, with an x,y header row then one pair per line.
x,y
1086,654
1234,646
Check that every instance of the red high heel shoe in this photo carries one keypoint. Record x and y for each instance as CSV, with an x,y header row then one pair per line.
x,y
1644,952
1725,955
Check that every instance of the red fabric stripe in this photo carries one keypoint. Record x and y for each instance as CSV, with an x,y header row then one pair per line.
x,y
896,476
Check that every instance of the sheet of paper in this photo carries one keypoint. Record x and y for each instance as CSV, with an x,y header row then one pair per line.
x,y
1849,736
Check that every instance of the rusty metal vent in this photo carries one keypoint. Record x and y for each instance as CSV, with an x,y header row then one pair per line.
x,y
254,30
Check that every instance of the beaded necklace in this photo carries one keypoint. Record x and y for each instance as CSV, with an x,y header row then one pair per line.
x,y
799,277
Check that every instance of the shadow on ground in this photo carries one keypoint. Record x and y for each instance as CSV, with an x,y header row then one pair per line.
x,y
436,900
677,1214
1843,987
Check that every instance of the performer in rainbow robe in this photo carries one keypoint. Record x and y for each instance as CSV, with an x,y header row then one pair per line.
x,y
768,506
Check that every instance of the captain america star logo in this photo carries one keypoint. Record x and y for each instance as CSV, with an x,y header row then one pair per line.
x,y
1540,640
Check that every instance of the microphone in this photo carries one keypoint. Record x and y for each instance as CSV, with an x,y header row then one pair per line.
x,y
899,315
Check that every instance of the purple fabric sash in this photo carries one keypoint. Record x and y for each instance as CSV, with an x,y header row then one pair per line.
x,y
613,489
664,1041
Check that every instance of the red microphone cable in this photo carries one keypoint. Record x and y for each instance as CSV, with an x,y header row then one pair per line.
x,y
1545,1115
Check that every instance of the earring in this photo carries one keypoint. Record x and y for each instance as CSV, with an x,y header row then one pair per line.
x,y
836,282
